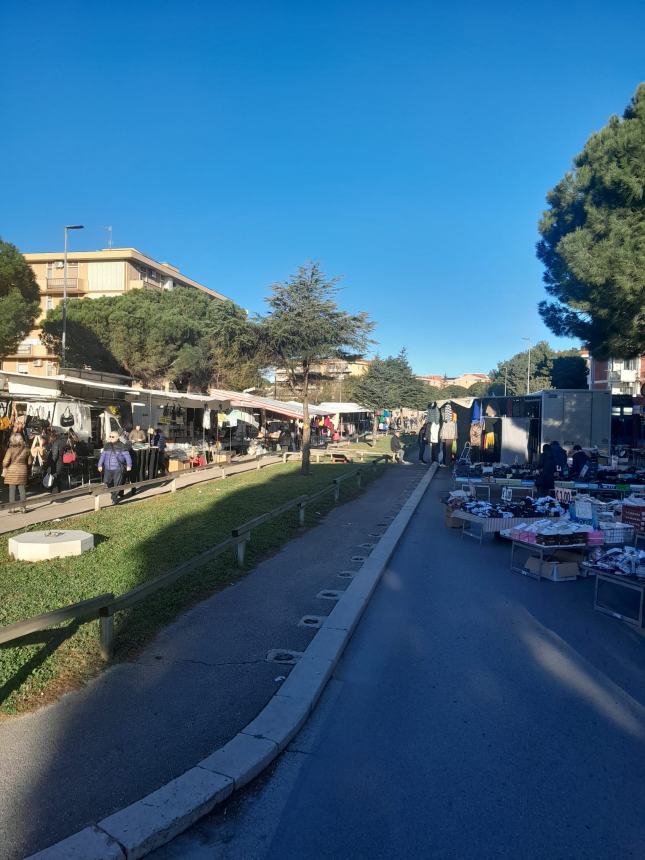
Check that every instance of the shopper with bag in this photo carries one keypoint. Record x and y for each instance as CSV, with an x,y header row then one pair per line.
x,y
56,466
114,461
15,471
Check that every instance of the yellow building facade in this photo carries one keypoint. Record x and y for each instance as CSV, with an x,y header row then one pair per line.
x,y
90,274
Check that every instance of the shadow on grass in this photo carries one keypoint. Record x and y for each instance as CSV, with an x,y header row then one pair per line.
x,y
50,640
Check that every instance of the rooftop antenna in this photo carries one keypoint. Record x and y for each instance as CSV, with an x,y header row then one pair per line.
x,y
109,232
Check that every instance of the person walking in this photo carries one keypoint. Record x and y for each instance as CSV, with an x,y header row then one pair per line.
x,y
560,459
396,448
114,461
15,471
546,476
55,463
423,441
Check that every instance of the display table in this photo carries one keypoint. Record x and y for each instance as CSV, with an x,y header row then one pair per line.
x,y
487,525
541,551
629,583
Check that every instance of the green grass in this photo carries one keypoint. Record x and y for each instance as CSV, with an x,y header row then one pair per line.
x,y
382,444
135,543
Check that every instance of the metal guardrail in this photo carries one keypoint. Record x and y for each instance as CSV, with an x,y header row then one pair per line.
x,y
99,489
105,606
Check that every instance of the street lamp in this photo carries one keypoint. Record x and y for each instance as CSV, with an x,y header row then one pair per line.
x,y
528,369
64,344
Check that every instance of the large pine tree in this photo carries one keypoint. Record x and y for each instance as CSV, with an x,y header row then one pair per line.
x,y
593,241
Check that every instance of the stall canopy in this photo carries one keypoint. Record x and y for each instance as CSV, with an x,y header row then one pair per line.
x,y
289,409
19,384
335,408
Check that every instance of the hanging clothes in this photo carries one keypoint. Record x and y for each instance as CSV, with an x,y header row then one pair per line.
x,y
432,415
434,432
448,427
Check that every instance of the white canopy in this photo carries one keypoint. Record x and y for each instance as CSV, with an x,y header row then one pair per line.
x,y
339,408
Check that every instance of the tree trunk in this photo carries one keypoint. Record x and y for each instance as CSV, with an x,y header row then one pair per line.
x,y
306,425
374,428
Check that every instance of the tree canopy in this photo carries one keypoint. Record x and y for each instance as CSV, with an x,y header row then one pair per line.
x,y
181,335
549,369
304,326
593,241
390,384
19,298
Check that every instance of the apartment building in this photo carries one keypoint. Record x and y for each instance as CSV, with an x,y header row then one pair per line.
x,y
90,274
619,375
465,380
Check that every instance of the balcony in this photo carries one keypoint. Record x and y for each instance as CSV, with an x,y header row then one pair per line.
x,y
623,375
57,285
23,349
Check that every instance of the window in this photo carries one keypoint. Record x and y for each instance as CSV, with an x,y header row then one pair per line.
x,y
630,364
49,305
50,368
23,368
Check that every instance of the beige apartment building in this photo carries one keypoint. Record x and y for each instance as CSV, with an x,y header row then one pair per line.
x,y
90,274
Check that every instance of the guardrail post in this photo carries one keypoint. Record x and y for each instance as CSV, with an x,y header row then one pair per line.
x,y
257,464
359,480
301,514
97,502
173,485
336,492
284,457
106,633
241,549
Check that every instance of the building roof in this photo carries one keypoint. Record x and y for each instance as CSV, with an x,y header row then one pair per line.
x,y
127,254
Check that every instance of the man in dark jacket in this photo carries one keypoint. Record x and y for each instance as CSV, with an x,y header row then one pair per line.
x,y
423,441
580,462
545,479
114,461
560,459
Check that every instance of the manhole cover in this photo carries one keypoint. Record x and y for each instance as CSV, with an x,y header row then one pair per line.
x,y
329,595
358,558
283,655
367,545
376,534
346,574
311,621
381,525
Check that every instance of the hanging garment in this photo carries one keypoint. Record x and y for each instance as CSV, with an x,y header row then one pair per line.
x,y
434,432
475,434
432,414
448,430
446,412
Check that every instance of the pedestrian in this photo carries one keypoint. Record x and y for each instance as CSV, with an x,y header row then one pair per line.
x,y
55,463
114,461
137,435
423,441
560,458
546,474
581,461
15,471
396,447
284,439
159,441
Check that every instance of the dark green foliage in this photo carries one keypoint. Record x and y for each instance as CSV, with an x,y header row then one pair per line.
x,y
305,327
182,335
549,369
19,298
593,241
389,384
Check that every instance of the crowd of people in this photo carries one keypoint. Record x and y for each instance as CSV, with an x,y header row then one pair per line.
x,y
553,466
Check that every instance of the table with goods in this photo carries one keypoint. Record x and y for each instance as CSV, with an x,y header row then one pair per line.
x,y
477,518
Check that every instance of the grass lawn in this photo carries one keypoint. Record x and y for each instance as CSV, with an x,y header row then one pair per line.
x,y
135,543
381,444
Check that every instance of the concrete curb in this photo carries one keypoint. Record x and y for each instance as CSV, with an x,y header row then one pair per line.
x,y
137,829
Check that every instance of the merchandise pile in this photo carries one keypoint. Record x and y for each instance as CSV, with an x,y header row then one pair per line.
x,y
623,562
556,533
527,507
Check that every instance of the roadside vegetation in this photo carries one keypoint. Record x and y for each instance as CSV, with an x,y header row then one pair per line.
x,y
135,543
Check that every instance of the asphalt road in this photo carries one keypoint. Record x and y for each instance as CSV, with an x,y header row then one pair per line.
x,y
476,714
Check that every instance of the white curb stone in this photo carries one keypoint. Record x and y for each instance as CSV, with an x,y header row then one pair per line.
x,y
162,815
308,679
280,720
242,758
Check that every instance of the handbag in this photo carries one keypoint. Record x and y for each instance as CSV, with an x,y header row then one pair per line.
x,y
48,480
67,419
69,457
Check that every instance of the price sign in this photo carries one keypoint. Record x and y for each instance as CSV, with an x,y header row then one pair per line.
x,y
507,494
563,494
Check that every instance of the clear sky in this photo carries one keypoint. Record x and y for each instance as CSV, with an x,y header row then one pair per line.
x,y
408,146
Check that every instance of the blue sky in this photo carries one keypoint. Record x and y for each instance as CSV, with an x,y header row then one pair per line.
x,y
407,146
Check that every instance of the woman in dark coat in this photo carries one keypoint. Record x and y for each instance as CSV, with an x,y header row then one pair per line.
x,y
15,470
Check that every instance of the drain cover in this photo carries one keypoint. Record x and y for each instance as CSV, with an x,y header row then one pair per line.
x,y
358,558
346,574
283,655
376,534
311,621
329,595
367,545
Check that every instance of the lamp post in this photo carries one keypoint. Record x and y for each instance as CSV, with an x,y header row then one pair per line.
x,y
64,343
528,369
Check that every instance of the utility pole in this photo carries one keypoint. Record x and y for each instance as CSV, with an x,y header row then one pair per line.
x,y
528,368
109,232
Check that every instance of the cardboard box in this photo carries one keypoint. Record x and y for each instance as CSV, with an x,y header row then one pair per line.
x,y
178,465
555,571
453,522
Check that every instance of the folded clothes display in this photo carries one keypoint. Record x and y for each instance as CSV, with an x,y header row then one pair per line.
x,y
549,533
527,507
629,561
